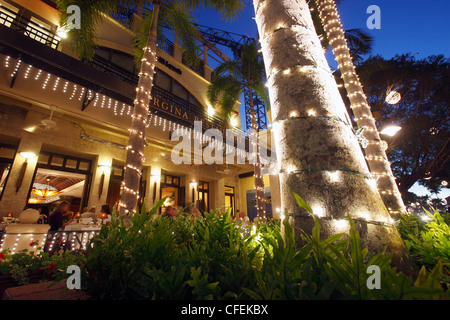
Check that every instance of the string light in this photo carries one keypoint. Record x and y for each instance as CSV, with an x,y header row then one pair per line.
x,y
363,116
341,223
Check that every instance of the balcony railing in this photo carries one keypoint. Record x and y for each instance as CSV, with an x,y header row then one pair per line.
x,y
47,37
29,28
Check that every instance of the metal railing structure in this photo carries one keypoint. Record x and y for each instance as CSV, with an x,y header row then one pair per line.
x,y
29,28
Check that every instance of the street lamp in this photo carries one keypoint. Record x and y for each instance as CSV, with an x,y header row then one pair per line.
x,y
391,130
393,97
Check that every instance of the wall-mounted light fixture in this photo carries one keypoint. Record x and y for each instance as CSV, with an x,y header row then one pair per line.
x,y
156,176
104,168
193,186
27,156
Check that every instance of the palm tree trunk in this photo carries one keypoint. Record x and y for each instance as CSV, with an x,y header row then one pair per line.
x,y
375,153
135,149
319,157
258,177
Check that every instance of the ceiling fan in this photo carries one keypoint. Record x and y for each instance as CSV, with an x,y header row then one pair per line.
x,y
226,171
45,125
48,124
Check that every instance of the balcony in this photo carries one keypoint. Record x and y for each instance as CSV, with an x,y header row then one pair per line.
x,y
33,30
37,46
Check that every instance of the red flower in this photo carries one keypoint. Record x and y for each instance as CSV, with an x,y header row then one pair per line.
x,y
51,267
2,256
34,243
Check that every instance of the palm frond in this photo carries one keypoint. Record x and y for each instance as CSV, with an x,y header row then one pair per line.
x,y
178,16
228,100
262,92
83,39
233,76
228,67
359,40
141,35
220,85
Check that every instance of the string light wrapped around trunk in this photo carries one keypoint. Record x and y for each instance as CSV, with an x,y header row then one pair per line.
x,y
376,156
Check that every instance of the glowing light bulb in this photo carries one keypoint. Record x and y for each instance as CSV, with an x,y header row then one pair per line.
x,y
318,211
334,176
340,224
391,131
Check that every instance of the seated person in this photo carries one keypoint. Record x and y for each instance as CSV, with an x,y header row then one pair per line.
x,y
59,218
105,211
89,213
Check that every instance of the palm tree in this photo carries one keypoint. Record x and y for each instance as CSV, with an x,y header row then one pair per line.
x,y
248,72
319,156
375,152
177,14
359,41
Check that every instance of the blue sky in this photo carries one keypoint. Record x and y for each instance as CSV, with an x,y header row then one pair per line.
x,y
419,27
407,26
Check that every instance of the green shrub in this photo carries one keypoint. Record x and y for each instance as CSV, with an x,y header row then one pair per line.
x,y
428,240
161,258
152,257
52,267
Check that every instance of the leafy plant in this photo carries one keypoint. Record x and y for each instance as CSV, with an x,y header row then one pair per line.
x,y
428,241
335,268
51,267
153,257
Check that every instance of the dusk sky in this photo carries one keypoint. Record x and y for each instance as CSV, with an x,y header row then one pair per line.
x,y
418,27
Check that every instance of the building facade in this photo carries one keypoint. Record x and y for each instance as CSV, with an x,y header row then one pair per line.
x,y
74,116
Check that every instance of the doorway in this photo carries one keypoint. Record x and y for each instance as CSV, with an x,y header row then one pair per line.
x,y
170,188
59,177
229,199
203,196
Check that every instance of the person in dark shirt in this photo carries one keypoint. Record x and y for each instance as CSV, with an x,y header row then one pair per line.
x,y
56,219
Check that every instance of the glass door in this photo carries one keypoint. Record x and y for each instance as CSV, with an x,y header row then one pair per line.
x,y
229,199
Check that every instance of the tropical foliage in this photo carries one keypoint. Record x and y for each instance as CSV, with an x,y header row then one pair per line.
x,y
20,265
214,258
427,237
420,151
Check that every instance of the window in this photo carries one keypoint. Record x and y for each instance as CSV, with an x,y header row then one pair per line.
x,y
7,14
168,180
179,91
40,31
194,101
163,81
124,61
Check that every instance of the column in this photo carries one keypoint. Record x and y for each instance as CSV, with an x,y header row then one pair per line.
x,y
100,182
15,195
